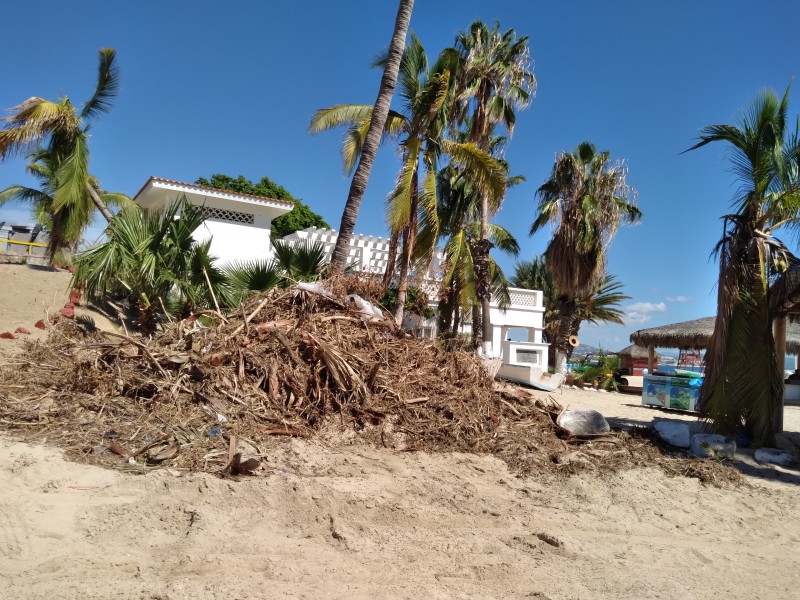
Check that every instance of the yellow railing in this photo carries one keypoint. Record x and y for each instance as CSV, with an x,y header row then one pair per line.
x,y
30,246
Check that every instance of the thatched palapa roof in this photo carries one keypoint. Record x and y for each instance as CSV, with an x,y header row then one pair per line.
x,y
784,294
633,351
697,334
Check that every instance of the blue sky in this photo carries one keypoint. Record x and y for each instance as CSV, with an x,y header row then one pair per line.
x,y
211,87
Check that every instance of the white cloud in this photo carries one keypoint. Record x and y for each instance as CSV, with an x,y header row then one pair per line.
x,y
640,312
647,307
636,318
678,298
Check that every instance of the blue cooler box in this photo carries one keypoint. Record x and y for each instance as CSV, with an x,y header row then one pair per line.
x,y
681,393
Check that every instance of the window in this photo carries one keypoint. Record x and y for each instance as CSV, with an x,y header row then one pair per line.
x,y
228,215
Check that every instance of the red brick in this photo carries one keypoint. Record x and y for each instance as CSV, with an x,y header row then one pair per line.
x,y
22,330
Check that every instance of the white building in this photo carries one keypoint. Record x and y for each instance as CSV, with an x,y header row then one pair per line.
x,y
239,224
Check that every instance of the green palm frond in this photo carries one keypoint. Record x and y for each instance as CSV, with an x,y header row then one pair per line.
x,y
486,172
107,85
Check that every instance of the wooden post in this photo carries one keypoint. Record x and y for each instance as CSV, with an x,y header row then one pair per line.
x,y
651,358
779,332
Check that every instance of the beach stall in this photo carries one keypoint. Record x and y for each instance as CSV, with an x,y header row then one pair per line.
x,y
684,386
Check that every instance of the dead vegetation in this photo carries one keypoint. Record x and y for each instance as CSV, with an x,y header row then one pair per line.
x,y
216,396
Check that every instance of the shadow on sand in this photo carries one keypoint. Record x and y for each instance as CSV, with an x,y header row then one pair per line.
x,y
744,460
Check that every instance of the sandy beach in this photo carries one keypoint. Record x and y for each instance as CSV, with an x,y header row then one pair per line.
x,y
342,519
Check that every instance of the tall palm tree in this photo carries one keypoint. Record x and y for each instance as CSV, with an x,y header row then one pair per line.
x,y
373,137
66,132
743,387
494,80
65,227
586,199
424,92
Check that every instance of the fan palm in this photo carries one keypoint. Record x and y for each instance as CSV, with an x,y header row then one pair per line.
x,y
494,80
372,137
66,132
292,262
586,199
64,228
152,257
743,389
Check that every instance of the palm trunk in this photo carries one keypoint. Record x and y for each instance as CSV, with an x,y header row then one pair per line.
x,y
456,318
391,261
99,203
373,137
485,283
477,324
743,387
409,241
568,310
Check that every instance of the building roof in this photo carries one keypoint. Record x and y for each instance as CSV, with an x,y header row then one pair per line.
x,y
784,294
212,192
634,351
697,334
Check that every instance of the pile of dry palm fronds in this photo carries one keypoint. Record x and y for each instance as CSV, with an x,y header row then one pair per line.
x,y
288,364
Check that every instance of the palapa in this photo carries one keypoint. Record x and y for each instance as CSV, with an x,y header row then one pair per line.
x,y
696,335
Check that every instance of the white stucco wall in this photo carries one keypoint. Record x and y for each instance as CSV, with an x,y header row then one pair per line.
x,y
369,253
232,237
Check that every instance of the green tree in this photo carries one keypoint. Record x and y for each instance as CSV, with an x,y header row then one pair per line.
x,y
64,232
66,133
743,386
601,305
459,219
586,199
372,137
152,258
300,217
494,81
424,92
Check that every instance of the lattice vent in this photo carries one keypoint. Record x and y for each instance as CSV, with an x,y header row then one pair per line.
x,y
521,299
228,215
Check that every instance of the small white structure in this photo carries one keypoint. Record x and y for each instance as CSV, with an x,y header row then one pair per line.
x,y
526,311
239,224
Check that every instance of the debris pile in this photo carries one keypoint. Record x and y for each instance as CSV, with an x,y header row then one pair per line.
x,y
214,392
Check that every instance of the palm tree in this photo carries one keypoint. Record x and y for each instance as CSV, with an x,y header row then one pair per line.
x,y
152,258
743,388
372,138
65,227
66,132
494,80
424,92
292,262
459,219
600,305
586,198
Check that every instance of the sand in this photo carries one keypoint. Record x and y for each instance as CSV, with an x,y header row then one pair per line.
x,y
29,293
344,522
349,521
